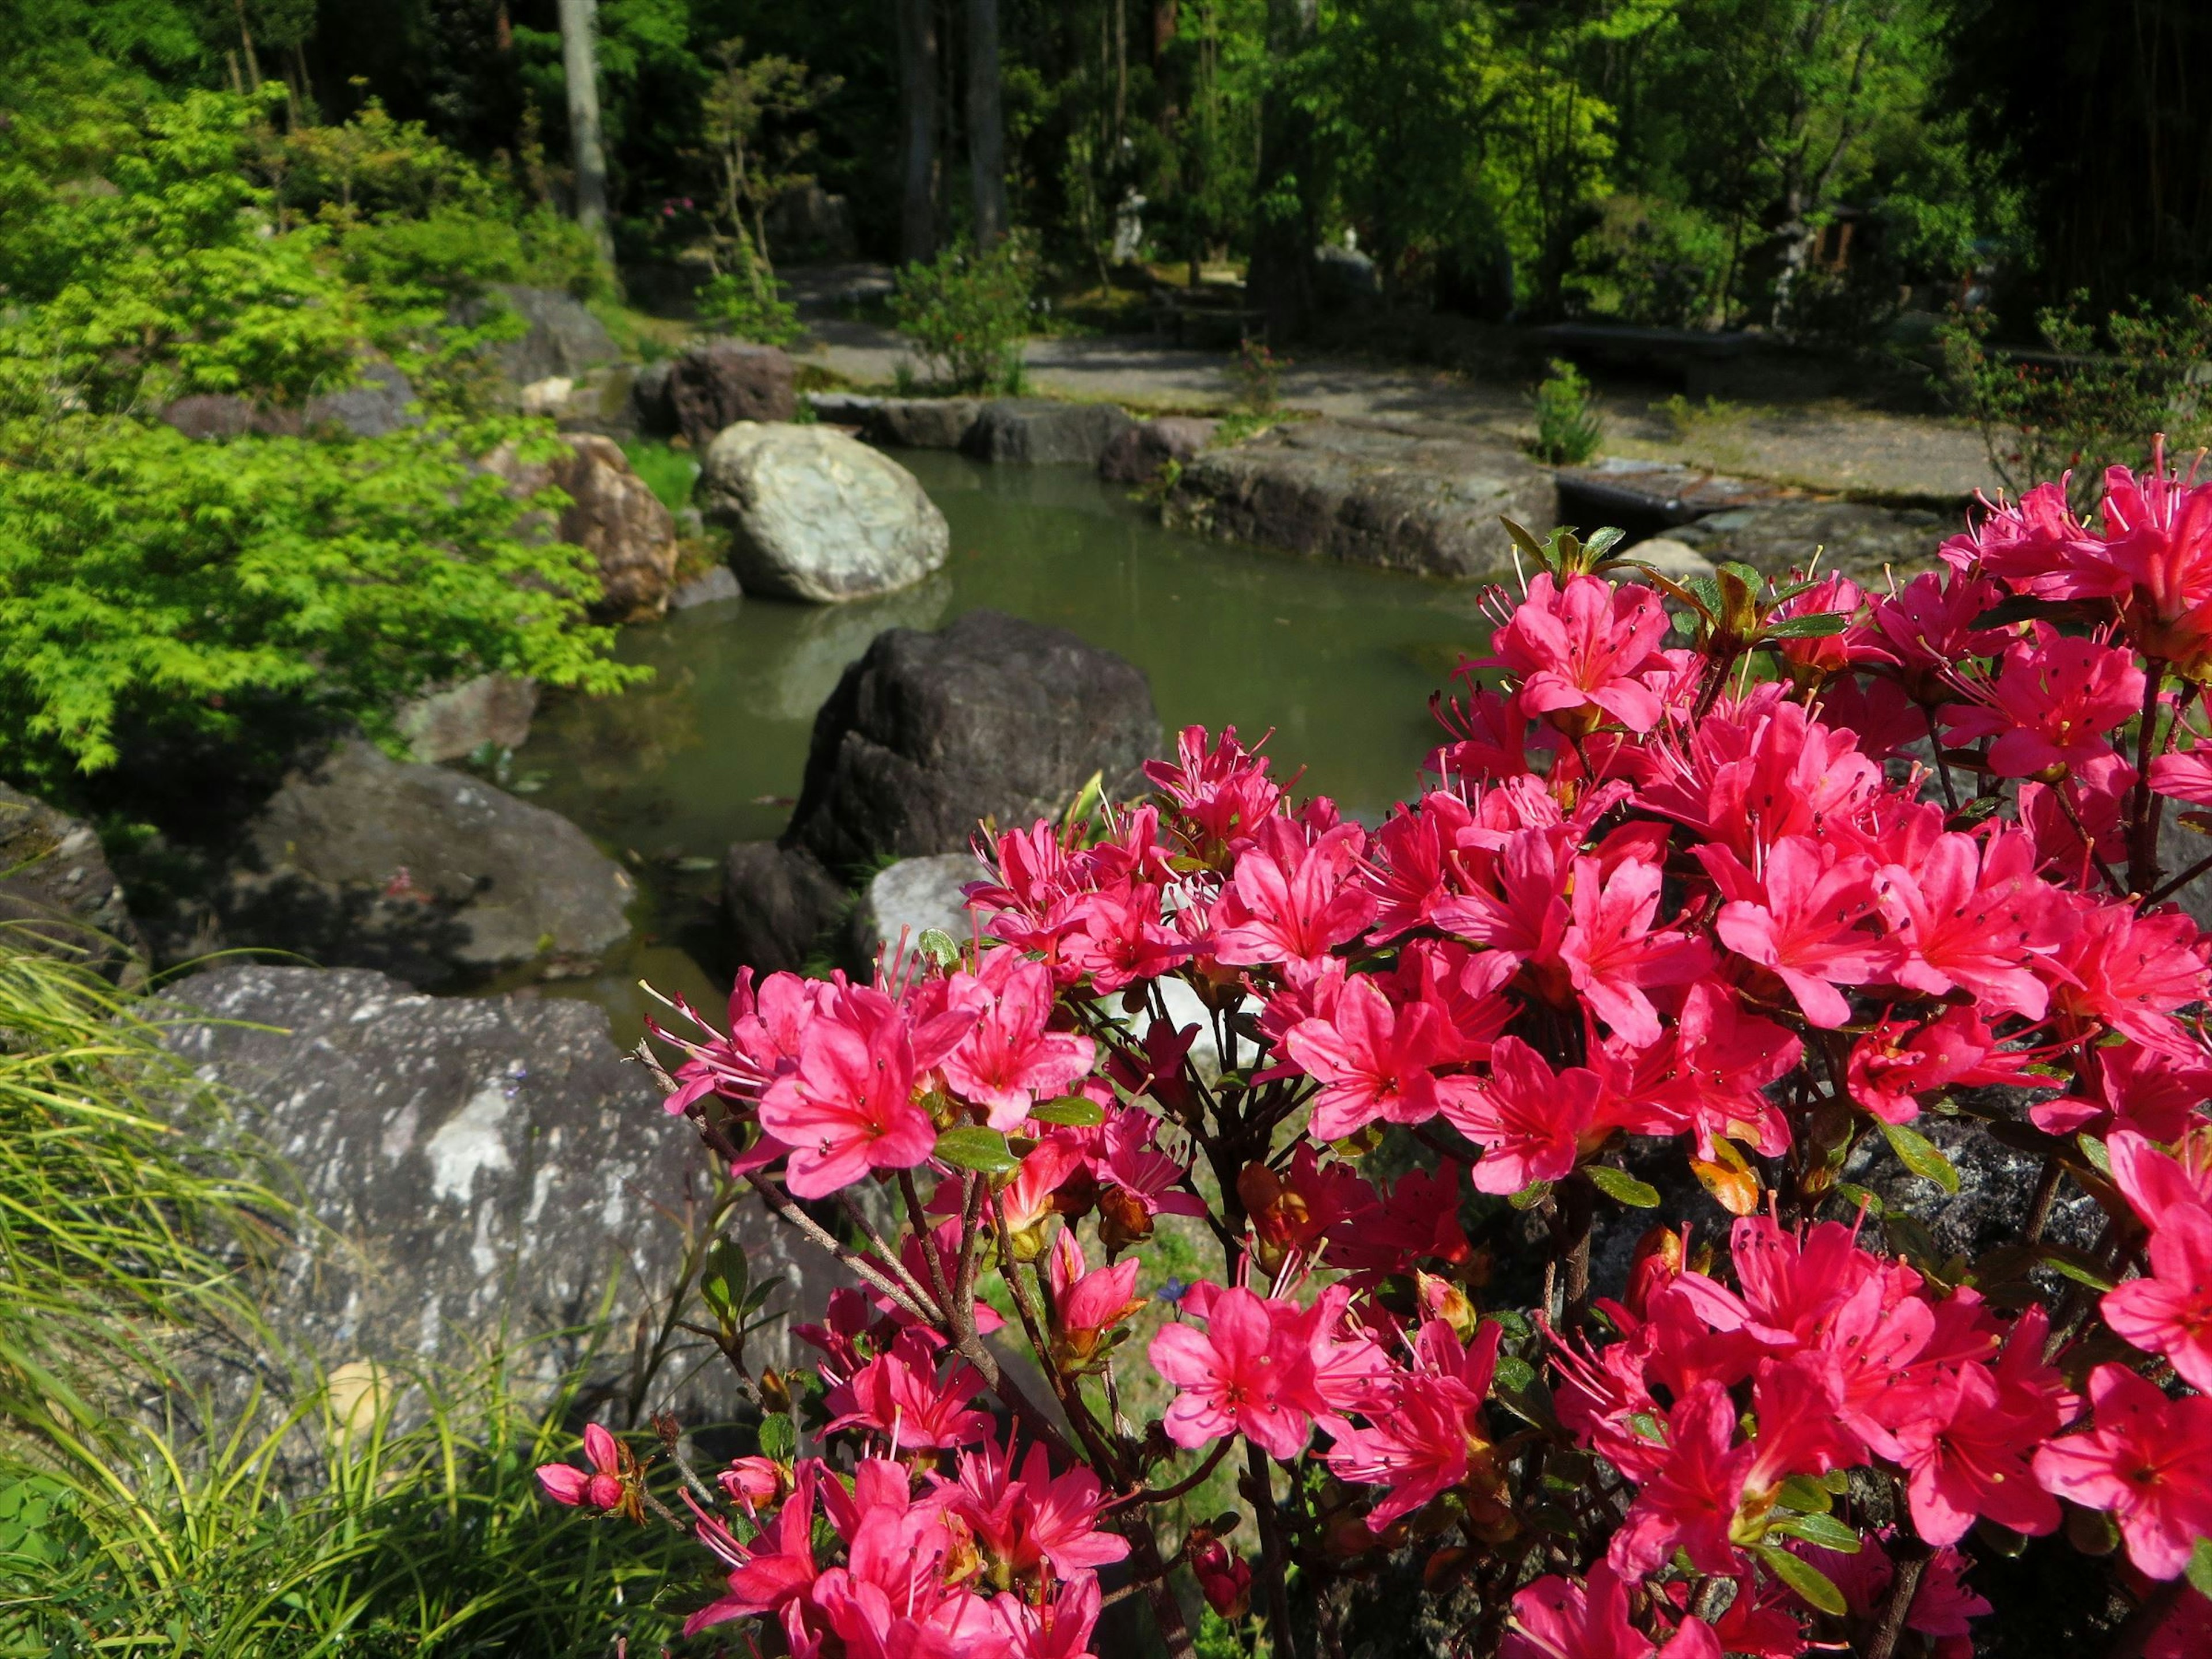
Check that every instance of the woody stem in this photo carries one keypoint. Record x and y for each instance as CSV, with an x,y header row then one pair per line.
x,y
1912,1561
1262,1494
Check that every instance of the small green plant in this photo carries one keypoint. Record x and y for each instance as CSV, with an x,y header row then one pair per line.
x,y
1568,427
967,314
1258,373
749,306
1686,419
669,473
2093,398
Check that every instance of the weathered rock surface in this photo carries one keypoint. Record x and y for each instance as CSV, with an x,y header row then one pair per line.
x,y
648,399
57,892
602,400
1859,540
488,1165
929,733
1425,500
1137,454
561,337
710,587
381,401
612,514
723,382
1671,558
807,222
908,898
780,904
456,722
1040,432
427,874
815,515
920,423
1650,497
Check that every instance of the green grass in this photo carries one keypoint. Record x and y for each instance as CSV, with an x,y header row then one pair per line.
x,y
669,473
142,1513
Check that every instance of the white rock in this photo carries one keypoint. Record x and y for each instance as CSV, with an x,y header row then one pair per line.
x,y
1671,558
915,894
549,396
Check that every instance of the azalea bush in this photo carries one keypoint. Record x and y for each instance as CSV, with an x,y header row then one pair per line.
x,y
1743,898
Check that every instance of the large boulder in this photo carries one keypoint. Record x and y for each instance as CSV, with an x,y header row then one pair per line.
x,y
920,423
486,1167
57,892
1422,499
993,717
458,721
560,336
780,904
1862,541
723,382
813,514
1040,432
1139,454
612,514
435,876
380,401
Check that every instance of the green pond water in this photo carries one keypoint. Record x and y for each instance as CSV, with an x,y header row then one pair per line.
x,y
1339,661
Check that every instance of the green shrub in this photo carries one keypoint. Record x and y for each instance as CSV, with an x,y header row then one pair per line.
x,y
1568,426
2094,397
750,308
1652,262
1258,373
967,315
669,473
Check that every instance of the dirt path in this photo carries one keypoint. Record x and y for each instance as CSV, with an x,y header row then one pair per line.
x,y
1832,448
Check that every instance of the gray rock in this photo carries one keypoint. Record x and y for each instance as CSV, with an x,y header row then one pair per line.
x,y
57,892
223,415
381,401
1345,280
716,585
488,1167
1861,541
719,384
908,899
1650,497
561,335
612,514
601,400
851,409
457,721
1040,432
993,717
807,222
1425,500
648,399
780,905
1138,453
430,874
815,515
1671,558
920,423
2179,848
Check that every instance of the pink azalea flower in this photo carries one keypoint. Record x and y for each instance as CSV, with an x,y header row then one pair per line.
x,y
1928,626
772,1575
599,1487
1086,1305
2153,1181
1972,914
2169,1312
1037,1522
1241,1376
1898,1064
1803,919
1223,792
2131,973
1373,1061
1579,649
1613,954
2147,1461
1555,1618
2052,704
1529,1120
1427,1429
1290,900
1120,938
1011,1059
1690,1501
901,1396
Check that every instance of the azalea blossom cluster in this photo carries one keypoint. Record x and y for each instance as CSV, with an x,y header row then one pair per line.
x,y
1785,898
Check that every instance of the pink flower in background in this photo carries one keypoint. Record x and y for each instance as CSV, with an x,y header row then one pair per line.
x,y
2147,1461
1292,900
2053,703
599,1487
2170,1311
1010,1059
1805,918
1615,955
1375,1061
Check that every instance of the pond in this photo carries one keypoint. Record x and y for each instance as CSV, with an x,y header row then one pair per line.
x,y
1338,661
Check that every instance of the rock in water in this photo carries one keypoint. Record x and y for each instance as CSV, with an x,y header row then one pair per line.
x,y
1425,500
919,422
908,899
710,586
717,384
612,514
1138,453
421,871
929,733
780,904
489,1166
57,892
814,514
454,723
1040,432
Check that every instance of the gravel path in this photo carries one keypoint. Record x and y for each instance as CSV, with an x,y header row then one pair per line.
x,y
1832,448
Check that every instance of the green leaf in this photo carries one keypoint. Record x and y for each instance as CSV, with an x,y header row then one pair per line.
x,y
1822,1529
2094,1150
1648,1427
1530,1196
1804,1494
1811,1585
779,1436
724,1277
1920,1155
1620,1185
1859,1198
1817,626
2200,1567
940,946
2077,1265
971,1146
1517,1374
1069,1109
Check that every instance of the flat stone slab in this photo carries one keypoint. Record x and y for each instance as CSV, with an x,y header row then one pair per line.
x,y
1646,496
1863,542
1420,498
1040,432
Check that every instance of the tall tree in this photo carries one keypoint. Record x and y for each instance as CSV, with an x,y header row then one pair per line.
x,y
987,127
1280,279
918,72
580,65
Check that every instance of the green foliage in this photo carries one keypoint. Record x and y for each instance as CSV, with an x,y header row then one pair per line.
x,y
750,307
2094,396
1258,373
669,473
1652,262
1568,427
967,314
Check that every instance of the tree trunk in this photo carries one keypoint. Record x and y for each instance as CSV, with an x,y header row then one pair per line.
x,y
1280,280
580,68
986,128
917,21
